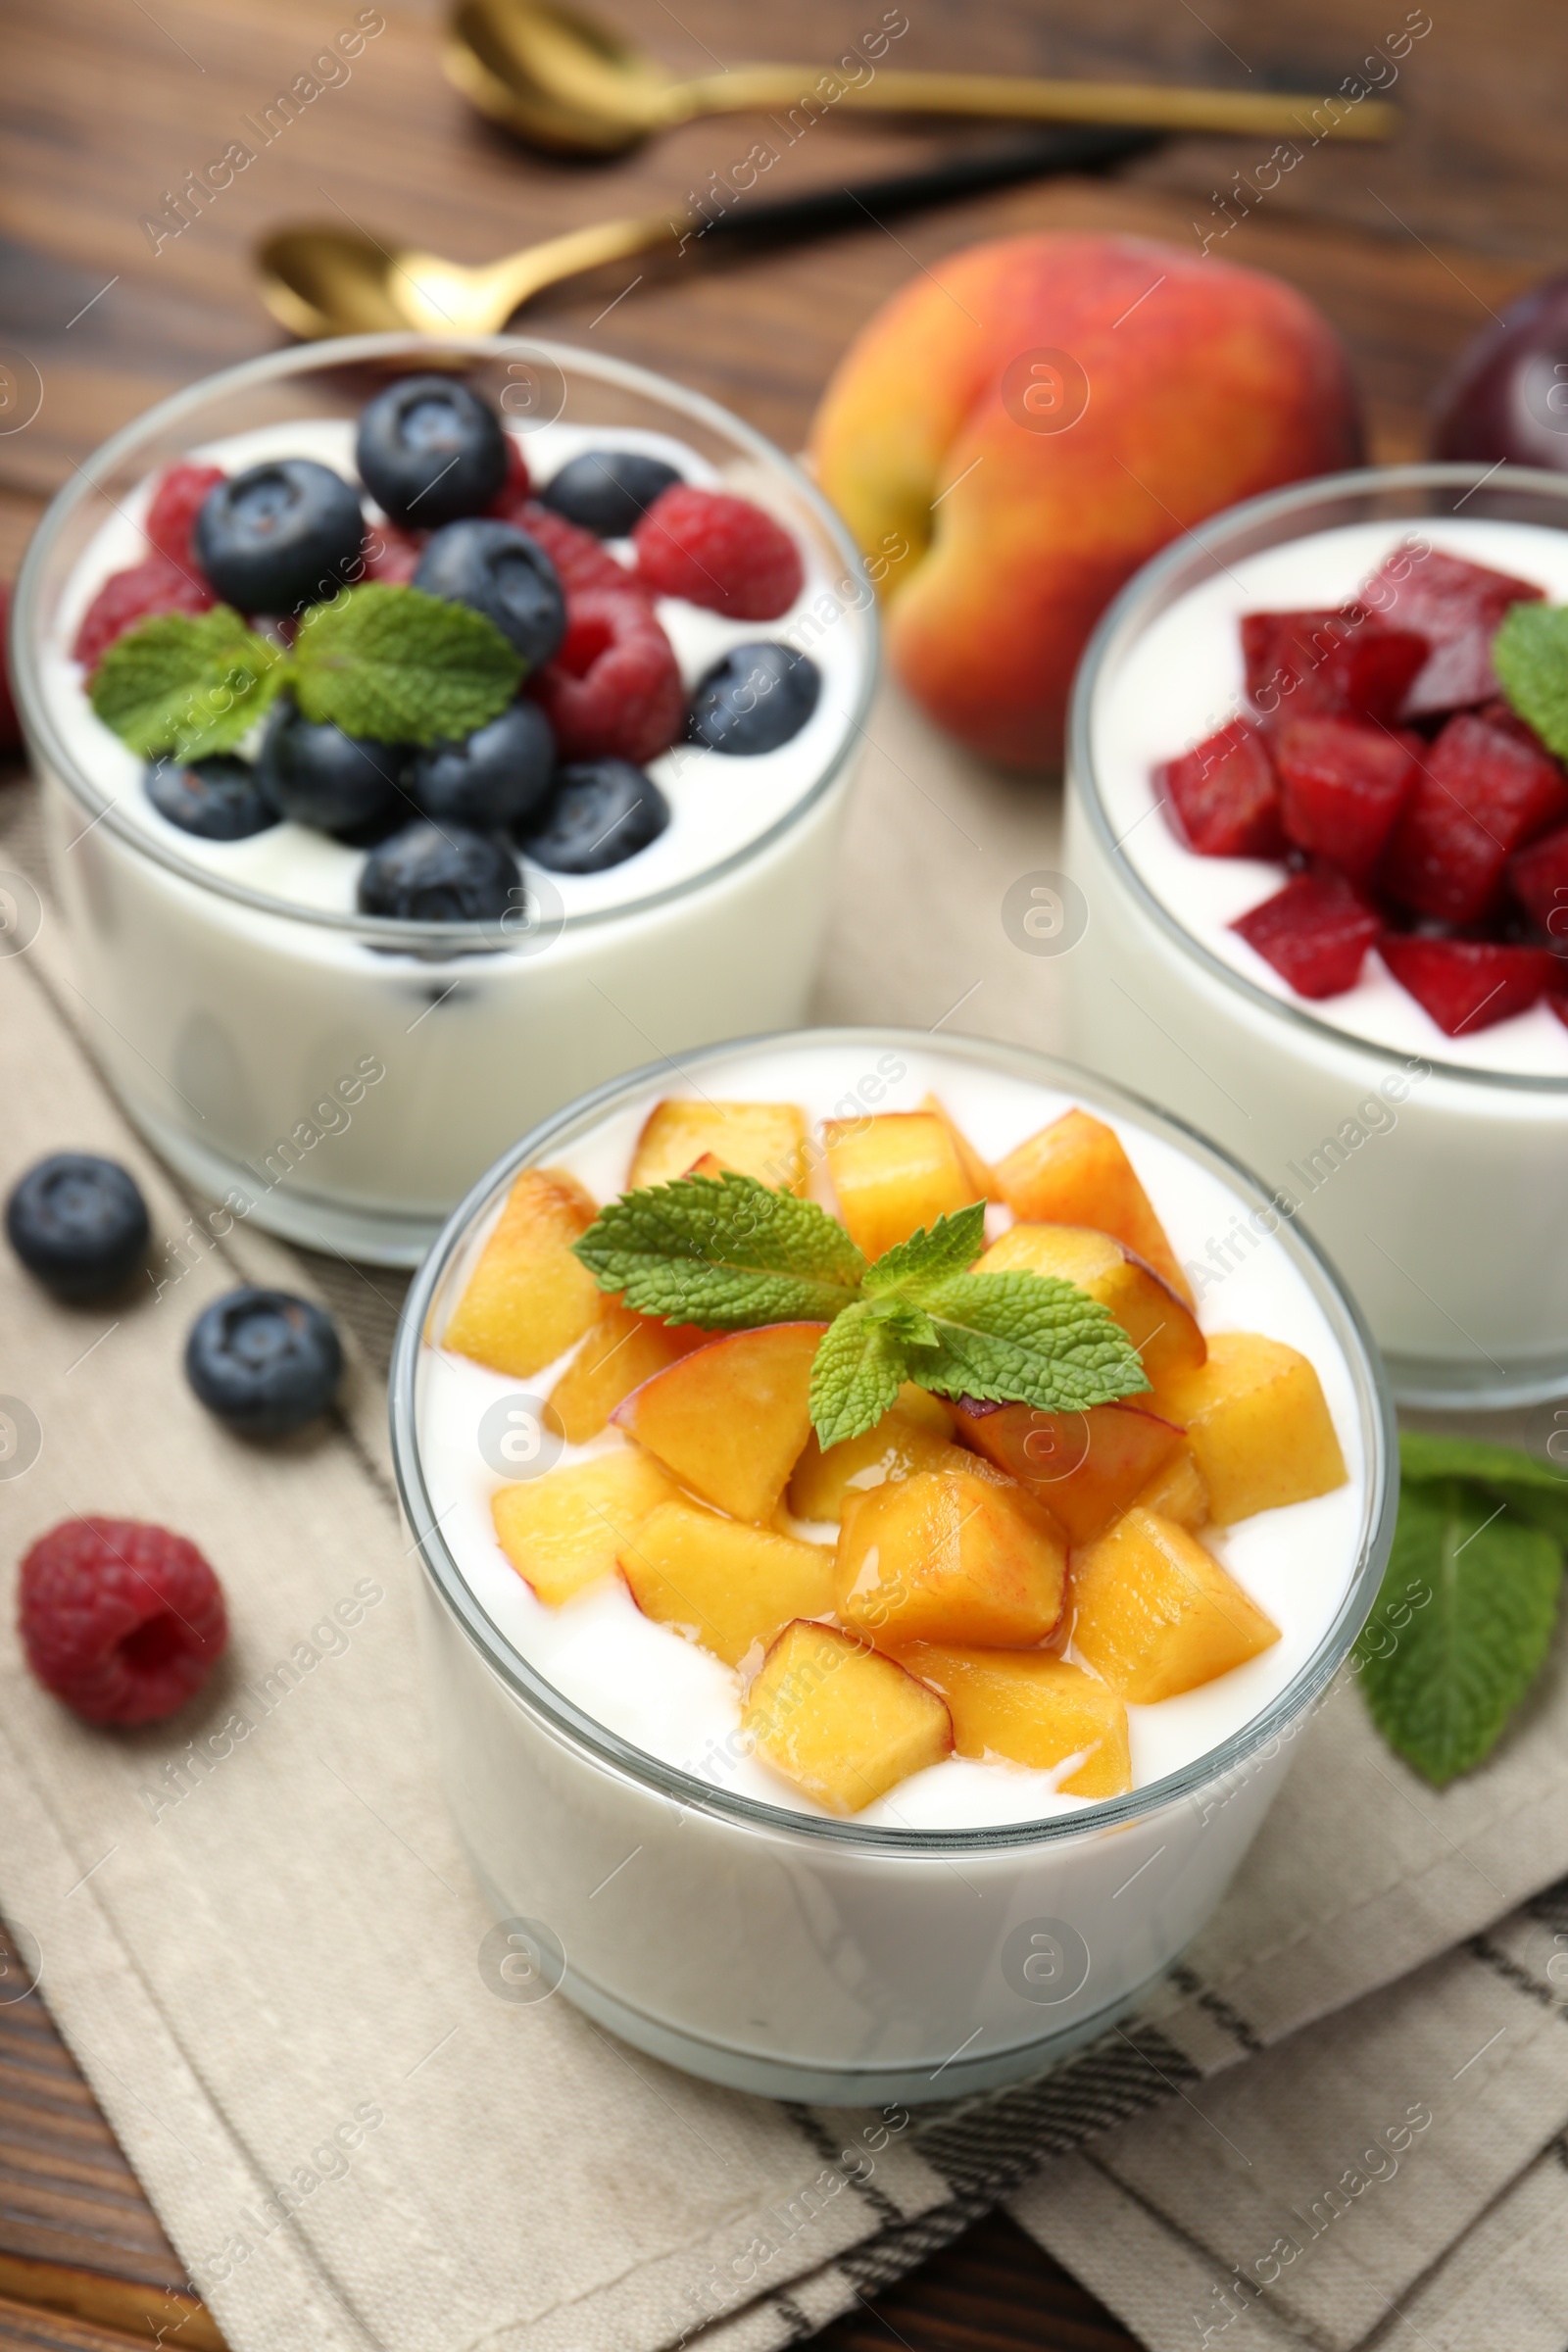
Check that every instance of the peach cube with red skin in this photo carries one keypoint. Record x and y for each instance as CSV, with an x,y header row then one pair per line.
x,y
620,1353
1085,1467
951,1557
895,1173
727,1586
842,1722
1259,1424
1076,1172
563,1531
764,1140
1156,1614
1034,1709
528,1299
1158,1321
731,1419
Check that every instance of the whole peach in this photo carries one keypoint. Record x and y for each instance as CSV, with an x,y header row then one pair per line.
x,y
1018,429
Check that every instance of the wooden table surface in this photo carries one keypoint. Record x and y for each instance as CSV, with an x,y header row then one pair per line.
x,y
105,105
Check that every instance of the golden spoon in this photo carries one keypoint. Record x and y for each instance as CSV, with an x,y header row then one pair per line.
x,y
564,82
318,280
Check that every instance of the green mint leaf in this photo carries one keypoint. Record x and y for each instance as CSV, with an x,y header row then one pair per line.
x,y
401,666
1533,1488
1025,1338
1529,655
186,683
951,1245
856,1373
1461,1626
723,1253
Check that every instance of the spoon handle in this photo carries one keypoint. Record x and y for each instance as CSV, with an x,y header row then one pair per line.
x,y
1152,106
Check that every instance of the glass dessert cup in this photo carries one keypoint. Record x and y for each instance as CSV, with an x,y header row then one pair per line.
x,y
1436,1187
344,1078
782,1950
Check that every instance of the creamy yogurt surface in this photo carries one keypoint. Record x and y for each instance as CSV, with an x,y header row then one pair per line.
x,y
719,804
1184,679
678,1702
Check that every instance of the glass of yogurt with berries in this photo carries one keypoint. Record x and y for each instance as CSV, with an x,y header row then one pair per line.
x,y
1318,809
856,1568
428,728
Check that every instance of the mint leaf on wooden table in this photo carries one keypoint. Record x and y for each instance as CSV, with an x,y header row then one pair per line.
x,y
190,684
401,666
729,1254
1529,655
1465,1613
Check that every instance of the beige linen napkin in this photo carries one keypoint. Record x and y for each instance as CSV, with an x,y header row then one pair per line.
x,y
262,1942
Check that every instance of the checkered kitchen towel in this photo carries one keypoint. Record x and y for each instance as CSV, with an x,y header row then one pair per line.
x,y
1343,2107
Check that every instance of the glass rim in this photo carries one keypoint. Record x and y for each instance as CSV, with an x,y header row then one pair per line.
x,y
609,1751
1120,623
384,932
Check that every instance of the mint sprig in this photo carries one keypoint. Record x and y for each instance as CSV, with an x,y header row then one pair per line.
x,y
381,661
1529,655
403,667
728,1254
1465,1613
190,684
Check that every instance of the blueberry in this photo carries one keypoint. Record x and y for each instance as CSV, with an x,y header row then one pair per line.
x,y
600,811
78,1223
500,571
439,874
264,1362
754,700
428,450
609,491
218,799
281,536
317,775
499,777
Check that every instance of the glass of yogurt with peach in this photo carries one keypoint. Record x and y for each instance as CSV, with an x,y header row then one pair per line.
x,y
1324,845
814,1721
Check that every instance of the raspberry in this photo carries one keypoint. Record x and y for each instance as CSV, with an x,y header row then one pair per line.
x,y
120,1620
515,489
581,559
392,555
152,586
177,503
721,552
614,686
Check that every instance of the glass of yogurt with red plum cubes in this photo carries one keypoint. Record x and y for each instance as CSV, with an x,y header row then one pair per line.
x,y
1318,807
851,1551
424,725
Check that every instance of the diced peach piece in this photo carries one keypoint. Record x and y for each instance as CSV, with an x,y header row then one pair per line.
x,y
1085,1467
951,1557
528,1299
978,1174
1076,1172
1258,1424
1156,1614
764,1140
841,1721
563,1531
1032,1708
892,1174
1159,1324
726,1585
1177,1490
731,1419
620,1353
907,1439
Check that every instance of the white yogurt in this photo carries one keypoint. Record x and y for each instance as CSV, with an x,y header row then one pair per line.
x,y
1184,679
679,1704
720,805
